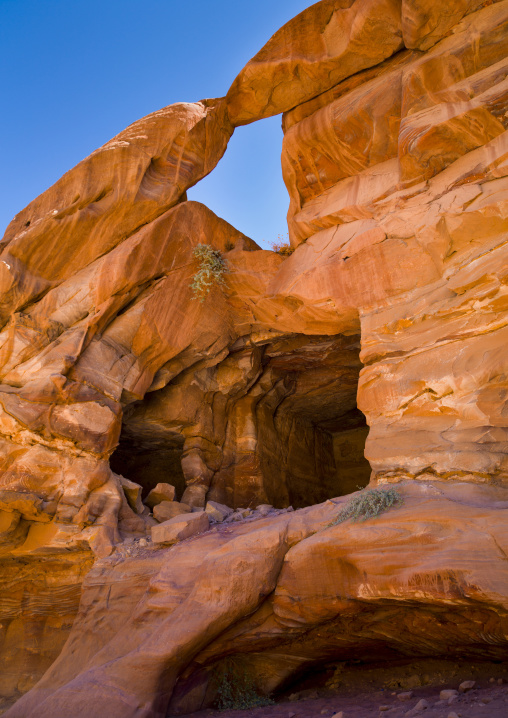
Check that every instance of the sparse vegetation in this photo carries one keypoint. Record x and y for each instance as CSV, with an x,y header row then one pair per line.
x,y
367,504
235,688
212,268
282,246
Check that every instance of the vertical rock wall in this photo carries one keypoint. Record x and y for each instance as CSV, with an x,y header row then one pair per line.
x,y
398,189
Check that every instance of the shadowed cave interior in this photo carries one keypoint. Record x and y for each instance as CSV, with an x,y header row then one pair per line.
x,y
293,434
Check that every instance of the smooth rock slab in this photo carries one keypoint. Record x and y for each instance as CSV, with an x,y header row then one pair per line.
x,y
208,597
180,528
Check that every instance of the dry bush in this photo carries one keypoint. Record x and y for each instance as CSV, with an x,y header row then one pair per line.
x,y
367,504
282,246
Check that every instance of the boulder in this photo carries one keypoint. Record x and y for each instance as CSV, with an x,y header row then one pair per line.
x,y
166,510
421,706
448,693
466,686
180,527
132,493
217,512
234,516
162,492
195,495
405,696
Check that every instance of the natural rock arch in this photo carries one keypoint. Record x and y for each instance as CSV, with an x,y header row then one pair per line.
x,y
395,158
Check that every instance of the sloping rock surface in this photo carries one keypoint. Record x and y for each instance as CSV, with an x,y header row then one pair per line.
x,y
318,590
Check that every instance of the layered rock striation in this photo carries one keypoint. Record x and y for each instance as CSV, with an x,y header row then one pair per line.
x,y
375,352
280,594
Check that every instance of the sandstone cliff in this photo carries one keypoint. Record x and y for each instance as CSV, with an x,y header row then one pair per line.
x,y
374,353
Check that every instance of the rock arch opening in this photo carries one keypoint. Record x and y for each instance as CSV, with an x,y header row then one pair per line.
x,y
274,422
256,146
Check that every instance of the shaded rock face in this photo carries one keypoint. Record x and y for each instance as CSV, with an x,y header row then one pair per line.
x,y
285,435
39,599
376,351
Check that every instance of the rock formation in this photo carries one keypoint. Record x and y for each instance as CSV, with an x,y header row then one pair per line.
x,y
375,352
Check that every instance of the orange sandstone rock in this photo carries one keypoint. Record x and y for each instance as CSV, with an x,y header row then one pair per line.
x,y
317,49
424,22
318,579
128,182
180,527
382,336
166,510
162,492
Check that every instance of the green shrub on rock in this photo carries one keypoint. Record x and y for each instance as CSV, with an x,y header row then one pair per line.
x,y
212,267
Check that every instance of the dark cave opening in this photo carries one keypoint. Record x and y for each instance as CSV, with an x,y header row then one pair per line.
x,y
149,457
312,435
287,431
389,672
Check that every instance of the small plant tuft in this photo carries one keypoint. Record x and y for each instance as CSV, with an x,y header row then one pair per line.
x,y
282,246
235,688
212,268
367,504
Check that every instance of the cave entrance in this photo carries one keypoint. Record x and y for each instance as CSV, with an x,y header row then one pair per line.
x,y
148,454
274,422
311,433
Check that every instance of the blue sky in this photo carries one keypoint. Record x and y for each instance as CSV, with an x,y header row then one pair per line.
x,y
75,73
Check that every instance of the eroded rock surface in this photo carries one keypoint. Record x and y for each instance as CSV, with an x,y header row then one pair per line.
x,y
319,591
324,44
382,336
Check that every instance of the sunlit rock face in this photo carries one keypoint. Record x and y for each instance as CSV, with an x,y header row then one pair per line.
x,y
398,191
375,352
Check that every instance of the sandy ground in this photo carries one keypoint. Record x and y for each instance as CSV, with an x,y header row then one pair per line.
x,y
392,691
